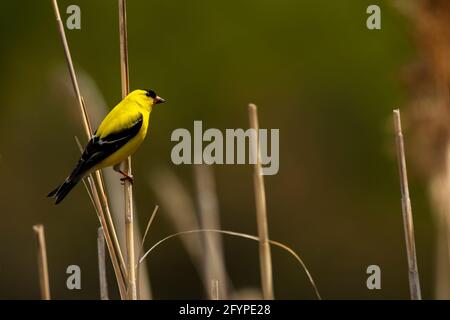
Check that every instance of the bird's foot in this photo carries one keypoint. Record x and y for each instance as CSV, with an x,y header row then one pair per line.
x,y
126,177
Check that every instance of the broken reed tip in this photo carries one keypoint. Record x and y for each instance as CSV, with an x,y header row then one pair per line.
x,y
38,228
397,121
396,113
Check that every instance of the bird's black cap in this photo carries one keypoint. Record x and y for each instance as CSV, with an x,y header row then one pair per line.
x,y
151,94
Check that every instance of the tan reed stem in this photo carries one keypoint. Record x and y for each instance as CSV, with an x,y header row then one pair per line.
x,y
128,190
102,264
141,249
101,217
209,218
109,220
62,33
261,212
42,261
214,289
414,283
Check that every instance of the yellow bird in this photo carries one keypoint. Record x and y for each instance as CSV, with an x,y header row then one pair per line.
x,y
119,135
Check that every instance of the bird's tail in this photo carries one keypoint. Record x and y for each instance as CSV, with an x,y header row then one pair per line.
x,y
71,181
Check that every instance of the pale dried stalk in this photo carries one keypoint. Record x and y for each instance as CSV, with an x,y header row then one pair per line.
x,y
105,202
149,224
439,189
113,246
104,208
261,212
101,217
178,205
42,261
73,77
141,248
102,264
128,190
214,289
414,283
213,257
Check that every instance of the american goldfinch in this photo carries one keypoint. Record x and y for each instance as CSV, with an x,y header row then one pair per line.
x,y
119,135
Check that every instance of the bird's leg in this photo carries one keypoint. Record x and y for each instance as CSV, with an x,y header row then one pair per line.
x,y
126,177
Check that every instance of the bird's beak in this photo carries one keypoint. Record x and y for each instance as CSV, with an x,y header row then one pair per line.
x,y
158,99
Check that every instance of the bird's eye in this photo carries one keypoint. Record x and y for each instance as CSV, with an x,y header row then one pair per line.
x,y
151,94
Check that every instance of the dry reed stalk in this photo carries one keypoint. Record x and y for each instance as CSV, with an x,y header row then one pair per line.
x,y
42,261
261,212
414,283
101,216
214,262
439,191
109,220
102,264
73,77
178,206
128,189
427,80
100,208
113,247
180,209
141,248
150,221
214,289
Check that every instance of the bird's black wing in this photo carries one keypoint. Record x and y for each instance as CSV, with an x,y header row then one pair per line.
x,y
99,149
96,150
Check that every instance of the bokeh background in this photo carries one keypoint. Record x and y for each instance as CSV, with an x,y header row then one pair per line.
x,y
315,71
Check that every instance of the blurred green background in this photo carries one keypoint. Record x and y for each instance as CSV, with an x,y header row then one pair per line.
x,y
315,71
